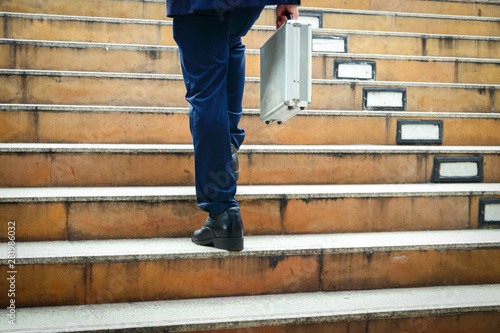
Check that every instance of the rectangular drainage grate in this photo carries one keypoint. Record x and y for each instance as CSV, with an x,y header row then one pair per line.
x,y
315,20
457,169
384,99
357,70
333,44
489,212
419,132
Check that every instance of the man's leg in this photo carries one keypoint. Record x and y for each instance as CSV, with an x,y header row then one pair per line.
x,y
203,43
240,22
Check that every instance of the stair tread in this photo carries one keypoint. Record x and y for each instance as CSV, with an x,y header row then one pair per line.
x,y
262,310
265,310
471,8
36,16
325,31
256,27
49,252
159,109
395,14
245,149
117,46
178,77
161,193
302,10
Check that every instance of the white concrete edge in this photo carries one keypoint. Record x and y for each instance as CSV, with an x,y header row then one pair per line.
x,y
327,32
397,14
93,19
178,77
143,47
332,11
91,251
256,27
257,192
82,45
245,149
181,110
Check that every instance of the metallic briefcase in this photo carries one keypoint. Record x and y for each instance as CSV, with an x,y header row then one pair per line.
x,y
285,72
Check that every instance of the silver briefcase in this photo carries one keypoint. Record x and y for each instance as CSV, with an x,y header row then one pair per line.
x,y
285,72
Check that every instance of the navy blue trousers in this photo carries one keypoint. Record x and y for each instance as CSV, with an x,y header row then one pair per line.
x,y
213,66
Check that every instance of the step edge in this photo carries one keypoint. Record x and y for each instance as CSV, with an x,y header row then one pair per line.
x,y
258,192
340,306
81,18
385,13
158,249
324,10
324,31
255,27
178,77
83,45
7,107
165,48
146,148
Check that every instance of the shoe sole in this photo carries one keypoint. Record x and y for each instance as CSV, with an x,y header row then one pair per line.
x,y
229,244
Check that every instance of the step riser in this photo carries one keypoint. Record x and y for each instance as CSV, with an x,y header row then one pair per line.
x,y
88,31
106,8
422,46
115,220
462,323
170,169
377,22
98,8
469,8
436,7
156,10
120,91
110,282
161,34
95,127
21,56
391,23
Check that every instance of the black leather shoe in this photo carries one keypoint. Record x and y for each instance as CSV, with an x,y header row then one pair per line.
x,y
223,231
234,155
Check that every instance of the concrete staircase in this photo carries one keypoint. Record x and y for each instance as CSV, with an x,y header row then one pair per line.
x,y
377,210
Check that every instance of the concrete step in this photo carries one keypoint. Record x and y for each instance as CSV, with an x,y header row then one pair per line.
x,y
440,309
396,22
164,90
159,32
135,9
155,9
88,272
106,57
460,309
95,124
326,18
62,165
453,7
147,212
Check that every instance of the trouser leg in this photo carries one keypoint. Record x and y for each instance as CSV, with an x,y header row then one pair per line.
x,y
235,87
241,20
204,41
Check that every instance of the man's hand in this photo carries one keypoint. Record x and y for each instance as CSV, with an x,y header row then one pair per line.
x,y
282,10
